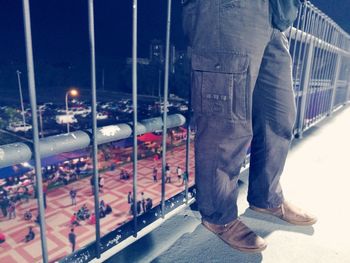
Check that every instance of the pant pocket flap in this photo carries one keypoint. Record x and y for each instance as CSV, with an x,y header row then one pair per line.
x,y
221,62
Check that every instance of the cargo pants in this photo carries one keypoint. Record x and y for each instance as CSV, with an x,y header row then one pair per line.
x,y
242,99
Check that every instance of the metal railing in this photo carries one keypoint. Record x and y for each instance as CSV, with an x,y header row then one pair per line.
x,y
320,50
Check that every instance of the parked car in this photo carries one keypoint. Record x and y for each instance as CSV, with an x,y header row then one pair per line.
x,y
183,108
125,101
101,116
81,111
19,127
64,119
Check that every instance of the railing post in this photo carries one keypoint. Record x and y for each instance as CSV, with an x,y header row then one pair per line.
x,y
305,86
299,71
134,104
165,108
94,124
35,127
347,90
327,63
334,83
186,177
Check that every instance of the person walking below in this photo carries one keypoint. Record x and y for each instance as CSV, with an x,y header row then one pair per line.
x,y
4,203
92,183
143,202
73,195
12,209
184,177
130,199
179,173
242,97
72,238
45,188
101,183
138,207
155,174
30,236
167,173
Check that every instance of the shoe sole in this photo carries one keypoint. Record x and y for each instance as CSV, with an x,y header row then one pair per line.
x,y
246,250
298,223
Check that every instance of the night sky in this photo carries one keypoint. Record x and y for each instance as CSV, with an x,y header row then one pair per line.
x,y
60,29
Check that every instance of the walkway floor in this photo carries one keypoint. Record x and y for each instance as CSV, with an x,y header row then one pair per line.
x,y
59,210
316,177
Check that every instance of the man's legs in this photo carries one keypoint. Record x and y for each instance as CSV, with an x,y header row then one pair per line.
x,y
273,120
219,153
222,87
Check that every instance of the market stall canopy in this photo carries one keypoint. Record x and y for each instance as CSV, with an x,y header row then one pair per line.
x,y
14,170
56,159
149,137
125,143
75,154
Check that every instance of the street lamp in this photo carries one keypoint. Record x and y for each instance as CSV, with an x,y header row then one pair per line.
x,y
21,96
73,93
41,122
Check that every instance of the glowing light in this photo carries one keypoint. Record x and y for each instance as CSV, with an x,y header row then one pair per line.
x,y
73,92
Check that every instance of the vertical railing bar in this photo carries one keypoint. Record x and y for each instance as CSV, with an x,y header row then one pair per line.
x,y
94,124
348,77
342,58
305,76
297,27
134,103
309,89
35,127
296,34
21,96
333,41
302,40
318,83
321,72
333,67
347,83
335,73
302,46
339,67
318,91
322,75
327,65
166,84
314,81
333,51
188,145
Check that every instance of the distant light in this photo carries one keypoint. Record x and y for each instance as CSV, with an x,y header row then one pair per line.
x,y
73,92
26,164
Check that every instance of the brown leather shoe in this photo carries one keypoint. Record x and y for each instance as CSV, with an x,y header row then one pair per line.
x,y
238,235
289,213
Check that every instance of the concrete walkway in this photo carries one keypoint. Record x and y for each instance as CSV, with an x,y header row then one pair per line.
x,y
316,177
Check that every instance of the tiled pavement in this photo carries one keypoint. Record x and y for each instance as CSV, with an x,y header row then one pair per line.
x,y
59,210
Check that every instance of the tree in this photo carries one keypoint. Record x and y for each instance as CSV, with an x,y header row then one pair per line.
x,y
12,115
182,79
3,123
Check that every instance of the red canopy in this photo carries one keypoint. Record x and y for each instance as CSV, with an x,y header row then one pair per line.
x,y
182,129
149,137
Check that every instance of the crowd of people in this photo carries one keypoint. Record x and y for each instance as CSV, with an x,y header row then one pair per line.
x,y
84,214
144,205
180,174
21,189
66,172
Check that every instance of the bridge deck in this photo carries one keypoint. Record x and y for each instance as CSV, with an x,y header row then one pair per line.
x,y
316,177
